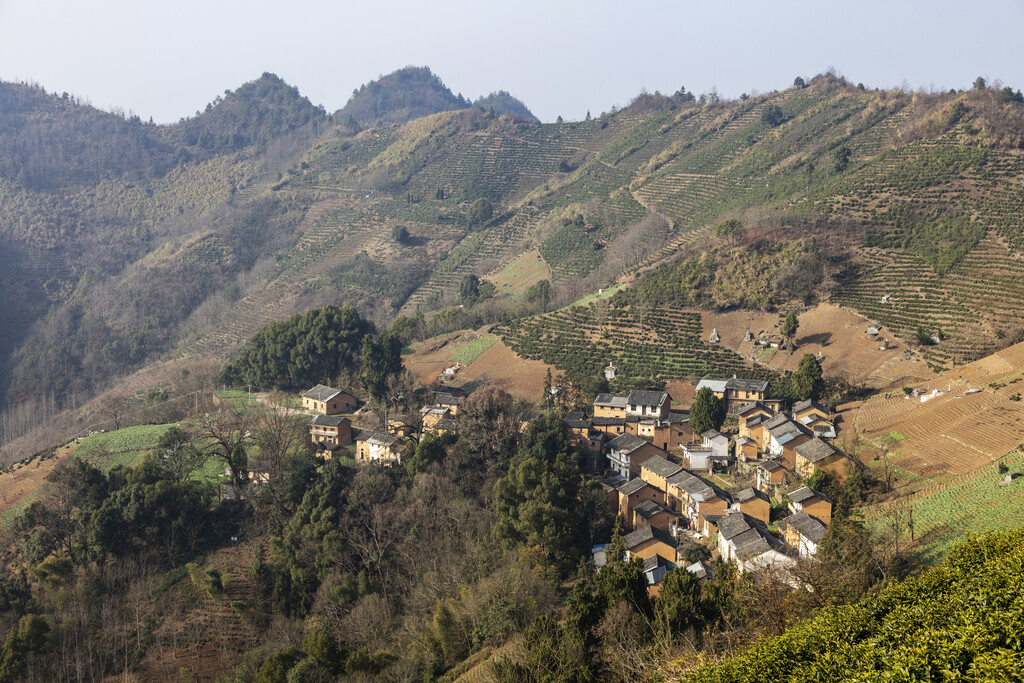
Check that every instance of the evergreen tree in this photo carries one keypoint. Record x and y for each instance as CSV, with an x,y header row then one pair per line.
x,y
706,412
789,327
807,381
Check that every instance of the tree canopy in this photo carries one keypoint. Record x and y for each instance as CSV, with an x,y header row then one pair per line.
x,y
304,350
706,412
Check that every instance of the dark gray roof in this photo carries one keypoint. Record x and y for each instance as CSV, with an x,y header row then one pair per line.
x,y
446,400
733,524
746,384
648,509
804,493
809,403
613,482
807,526
576,420
647,533
610,401
626,443
710,434
771,465
753,405
321,393
375,437
677,417
329,420
632,486
661,466
774,422
750,543
647,398
697,488
815,450
786,427
446,424
607,421
748,494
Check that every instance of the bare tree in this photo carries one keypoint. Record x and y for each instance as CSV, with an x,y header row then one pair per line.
x,y
228,432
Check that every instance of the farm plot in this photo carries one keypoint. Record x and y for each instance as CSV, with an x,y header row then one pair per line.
x,y
945,514
662,344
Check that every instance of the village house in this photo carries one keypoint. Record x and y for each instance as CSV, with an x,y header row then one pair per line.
x,y
803,533
656,568
431,414
329,433
748,543
647,541
690,495
770,475
328,401
610,426
746,449
626,453
814,455
656,471
649,513
442,426
697,457
611,485
673,431
814,417
379,447
812,502
633,493
610,405
784,436
734,392
648,404
754,503
718,443
450,401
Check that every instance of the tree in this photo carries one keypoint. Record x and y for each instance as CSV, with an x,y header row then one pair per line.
x,y
679,606
536,502
400,234
176,453
979,83
731,230
799,82
227,434
842,156
480,211
789,328
772,115
706,412
807,381
540,293
469,288
382,359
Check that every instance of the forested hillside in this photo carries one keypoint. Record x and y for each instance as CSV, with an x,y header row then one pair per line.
x,y
125,242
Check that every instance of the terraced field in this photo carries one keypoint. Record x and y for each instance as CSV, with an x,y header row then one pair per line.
x,y
582,339
955,432
944,513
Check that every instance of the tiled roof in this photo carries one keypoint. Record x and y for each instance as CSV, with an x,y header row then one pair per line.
x,y
746,384
626,443
647,533
807,526
803,494
815,450
711,434
632,486
661,466
647,398
809,403
648,509
328,420
610,401
607,421
321,393
715,385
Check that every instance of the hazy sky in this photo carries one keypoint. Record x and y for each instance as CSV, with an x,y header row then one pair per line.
x,y
168,59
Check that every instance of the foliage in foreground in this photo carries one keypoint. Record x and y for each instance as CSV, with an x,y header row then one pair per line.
x,y
960,621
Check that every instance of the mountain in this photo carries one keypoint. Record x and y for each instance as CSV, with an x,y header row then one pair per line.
x,y
501,102
901,206
400,96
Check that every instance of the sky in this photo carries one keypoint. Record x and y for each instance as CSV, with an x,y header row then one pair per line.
x,y
167,60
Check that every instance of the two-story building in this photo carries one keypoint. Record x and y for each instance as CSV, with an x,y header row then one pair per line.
x,y
329,433
328,401
812,502
803,533
814,455
648,405
784,436
626,453
379,447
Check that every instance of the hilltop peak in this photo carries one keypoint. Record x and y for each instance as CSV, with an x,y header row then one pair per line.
x,y
403,95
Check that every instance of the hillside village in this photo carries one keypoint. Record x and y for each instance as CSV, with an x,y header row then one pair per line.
x,y
739,492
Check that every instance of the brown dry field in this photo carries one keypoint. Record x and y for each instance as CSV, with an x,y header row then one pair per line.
x,y
836,333
497,366
953,432
19,483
